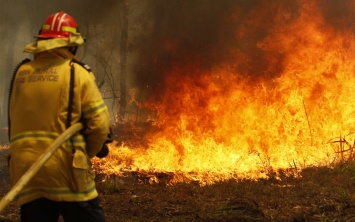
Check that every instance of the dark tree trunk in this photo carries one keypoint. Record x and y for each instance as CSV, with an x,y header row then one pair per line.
x,y
123,55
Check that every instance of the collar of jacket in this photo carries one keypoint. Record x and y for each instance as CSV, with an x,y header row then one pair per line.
x,y
62,52
48,44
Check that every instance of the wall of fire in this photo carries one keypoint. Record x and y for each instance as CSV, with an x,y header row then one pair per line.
x,y
163,35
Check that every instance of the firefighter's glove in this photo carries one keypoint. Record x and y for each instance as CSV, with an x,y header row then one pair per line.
x,y
103,152
109,138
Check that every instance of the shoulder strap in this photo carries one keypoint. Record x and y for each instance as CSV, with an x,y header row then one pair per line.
x,y
10,92
71,88
70,101
85,66
71,95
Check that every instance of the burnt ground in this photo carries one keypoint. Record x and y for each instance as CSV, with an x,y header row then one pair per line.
x,y
314,194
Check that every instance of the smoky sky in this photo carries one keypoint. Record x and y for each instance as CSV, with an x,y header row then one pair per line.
x,y
201,34
339,14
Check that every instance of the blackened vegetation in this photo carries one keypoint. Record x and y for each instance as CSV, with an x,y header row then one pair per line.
x,y
315,194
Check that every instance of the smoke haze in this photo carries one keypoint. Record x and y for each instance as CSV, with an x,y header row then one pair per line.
x,y
164,35
205,34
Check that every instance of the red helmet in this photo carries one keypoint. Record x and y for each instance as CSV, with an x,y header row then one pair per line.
x,y
58,25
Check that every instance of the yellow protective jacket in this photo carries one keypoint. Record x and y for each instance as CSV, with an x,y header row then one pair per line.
x,y
38,113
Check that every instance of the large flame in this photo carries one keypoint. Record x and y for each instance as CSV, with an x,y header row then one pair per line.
x,y
221,123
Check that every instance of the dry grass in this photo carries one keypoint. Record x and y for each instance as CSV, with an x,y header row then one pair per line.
x,y
320,194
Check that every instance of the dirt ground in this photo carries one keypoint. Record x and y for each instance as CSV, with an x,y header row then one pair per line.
x,y
316,194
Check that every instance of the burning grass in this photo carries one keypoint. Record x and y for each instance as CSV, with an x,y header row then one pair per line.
x,y
324,193
209,163
299,192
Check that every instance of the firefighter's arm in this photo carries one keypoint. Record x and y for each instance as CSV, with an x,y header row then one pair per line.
x,y
96,117
96,132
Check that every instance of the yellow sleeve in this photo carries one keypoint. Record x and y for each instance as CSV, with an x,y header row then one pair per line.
x,y
95,115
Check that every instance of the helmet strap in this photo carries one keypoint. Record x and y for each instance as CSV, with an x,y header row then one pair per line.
x,y
73,49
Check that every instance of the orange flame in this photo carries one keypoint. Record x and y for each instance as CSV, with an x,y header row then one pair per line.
x,y
221,124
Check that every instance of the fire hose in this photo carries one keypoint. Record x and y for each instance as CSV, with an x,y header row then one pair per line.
x,y
22,182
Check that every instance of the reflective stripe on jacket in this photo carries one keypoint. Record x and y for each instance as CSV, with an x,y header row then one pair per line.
x,y
38,113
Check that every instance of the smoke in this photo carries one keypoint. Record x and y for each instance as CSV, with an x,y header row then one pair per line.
x,y
165,35
339,14
203,34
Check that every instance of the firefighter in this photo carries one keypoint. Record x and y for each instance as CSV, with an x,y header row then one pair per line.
x,y
47,95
